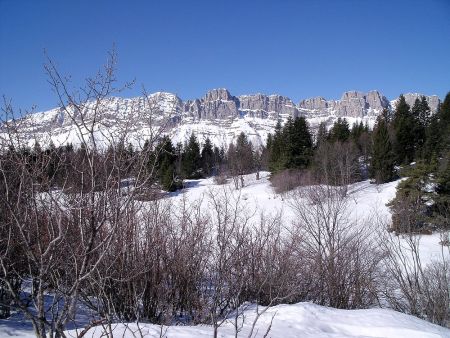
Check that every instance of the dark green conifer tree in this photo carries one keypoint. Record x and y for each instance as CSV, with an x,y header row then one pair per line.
x,y
166,165
207,157
382,159
421,114
191,158
356,131
340,131
218,157
298,144
322,134
404,131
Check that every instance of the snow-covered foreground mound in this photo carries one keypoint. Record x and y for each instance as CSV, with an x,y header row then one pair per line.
x,y
297,320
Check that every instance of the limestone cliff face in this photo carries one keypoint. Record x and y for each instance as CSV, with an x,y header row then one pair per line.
x,y
216,104
263,106
376,100
220,104
352,103
315,103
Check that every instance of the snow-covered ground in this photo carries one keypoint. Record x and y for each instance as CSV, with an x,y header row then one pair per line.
x,y
304,320
297,320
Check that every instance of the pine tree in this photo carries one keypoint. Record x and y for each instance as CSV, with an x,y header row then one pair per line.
x,y
166,165
53,157
191,159
269,142
382,160
340,131
322,134
425,112
442,206
442,199
433,138
410,210
298,144
276,154
218,156
244,154
291,146
421,114
207,157
444,121
404,130
356,131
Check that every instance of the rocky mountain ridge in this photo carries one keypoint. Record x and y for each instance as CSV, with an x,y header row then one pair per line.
x,y
217,115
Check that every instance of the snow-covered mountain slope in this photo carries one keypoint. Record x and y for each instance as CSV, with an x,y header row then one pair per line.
x,y
218,115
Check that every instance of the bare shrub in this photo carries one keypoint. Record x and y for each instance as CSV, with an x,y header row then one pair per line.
x,y
412,286
337,163
340,260
220,179
289,179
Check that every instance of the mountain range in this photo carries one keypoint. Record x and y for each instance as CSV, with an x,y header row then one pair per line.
x,y
217,115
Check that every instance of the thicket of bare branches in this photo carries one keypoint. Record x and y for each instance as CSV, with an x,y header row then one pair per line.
x,y
337,163
62,211
341,261
413,286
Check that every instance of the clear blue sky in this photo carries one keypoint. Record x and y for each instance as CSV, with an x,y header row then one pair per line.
x,y
295,48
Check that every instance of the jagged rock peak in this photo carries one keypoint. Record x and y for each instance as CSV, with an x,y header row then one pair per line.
x,y
376,100
218,94
352,94
313,103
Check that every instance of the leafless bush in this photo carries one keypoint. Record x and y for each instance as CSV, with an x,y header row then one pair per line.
x,y
412,286
337,163
341,261
220,179
289,179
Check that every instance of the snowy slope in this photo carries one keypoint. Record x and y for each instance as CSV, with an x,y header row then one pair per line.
x,y
365,202
304,320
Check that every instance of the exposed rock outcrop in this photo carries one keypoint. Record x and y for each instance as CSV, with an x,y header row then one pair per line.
x,y
263,106
216,104
315,103
352,103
